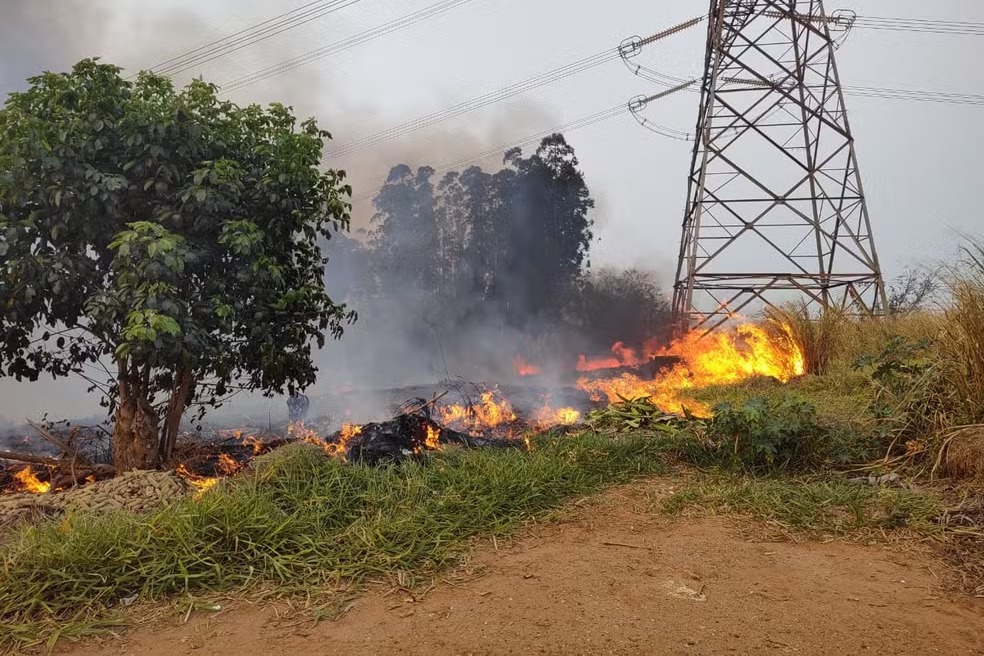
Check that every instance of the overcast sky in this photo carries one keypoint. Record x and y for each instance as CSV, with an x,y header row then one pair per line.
x,y
920,162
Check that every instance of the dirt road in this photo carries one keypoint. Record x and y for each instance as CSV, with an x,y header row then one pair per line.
x,y
614,578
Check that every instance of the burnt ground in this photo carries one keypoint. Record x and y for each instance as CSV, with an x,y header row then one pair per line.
x,y
613,577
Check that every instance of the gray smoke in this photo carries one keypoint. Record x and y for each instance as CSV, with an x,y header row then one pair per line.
x,y
378,352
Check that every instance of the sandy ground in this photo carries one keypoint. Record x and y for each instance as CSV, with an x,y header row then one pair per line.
x,y
614,578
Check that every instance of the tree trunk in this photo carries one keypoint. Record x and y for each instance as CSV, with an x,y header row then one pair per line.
x,y
175,409
135,435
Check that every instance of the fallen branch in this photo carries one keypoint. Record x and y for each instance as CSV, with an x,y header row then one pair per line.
x,y
34,460
67,449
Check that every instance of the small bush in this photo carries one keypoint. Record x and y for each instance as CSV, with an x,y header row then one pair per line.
x,y
762,434
772,433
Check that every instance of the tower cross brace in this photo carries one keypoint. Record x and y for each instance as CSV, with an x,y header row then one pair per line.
x,y
775,205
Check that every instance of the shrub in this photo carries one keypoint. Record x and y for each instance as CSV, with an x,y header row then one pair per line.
x,y
763,434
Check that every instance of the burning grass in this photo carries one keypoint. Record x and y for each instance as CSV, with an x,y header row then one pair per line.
x,y
300,519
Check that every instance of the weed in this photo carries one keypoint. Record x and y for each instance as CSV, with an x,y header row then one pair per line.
x,y
820,505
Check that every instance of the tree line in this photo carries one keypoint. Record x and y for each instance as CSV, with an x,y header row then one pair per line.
x,y
506,250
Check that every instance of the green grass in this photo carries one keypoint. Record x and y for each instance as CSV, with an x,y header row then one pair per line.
x,y
299,519
821,505
842,396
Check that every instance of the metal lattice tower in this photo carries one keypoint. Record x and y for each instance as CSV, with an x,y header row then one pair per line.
x,y
775,204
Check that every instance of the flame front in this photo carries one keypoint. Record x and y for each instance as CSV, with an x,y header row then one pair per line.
x,y
714,359
548,416
29,482
227,465
622,356
488,414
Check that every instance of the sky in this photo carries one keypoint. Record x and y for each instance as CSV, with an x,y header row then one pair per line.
x,y
920,162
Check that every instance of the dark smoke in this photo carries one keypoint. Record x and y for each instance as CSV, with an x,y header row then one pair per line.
x,y
462,273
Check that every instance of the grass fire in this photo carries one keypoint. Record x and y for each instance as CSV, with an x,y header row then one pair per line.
x,y
420,404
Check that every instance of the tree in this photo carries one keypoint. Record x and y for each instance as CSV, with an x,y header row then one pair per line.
x,y
626,306
452,234
405,236
174,234
912,290
551,231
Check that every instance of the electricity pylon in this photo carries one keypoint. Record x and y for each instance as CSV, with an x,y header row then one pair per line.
x,y
775,204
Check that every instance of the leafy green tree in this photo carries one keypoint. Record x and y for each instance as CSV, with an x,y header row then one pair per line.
x,y
172,233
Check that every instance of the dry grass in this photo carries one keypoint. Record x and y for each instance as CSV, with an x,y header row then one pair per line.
x,y
962,340
817,337
962,455
861,337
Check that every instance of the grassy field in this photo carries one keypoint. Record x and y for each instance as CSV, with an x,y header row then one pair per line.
x,y
300,520
903,394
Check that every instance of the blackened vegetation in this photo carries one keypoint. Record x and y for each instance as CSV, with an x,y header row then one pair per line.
x,y
407,436
459,259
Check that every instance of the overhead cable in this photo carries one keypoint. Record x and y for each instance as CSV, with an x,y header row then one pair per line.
x,y
250,36
345,44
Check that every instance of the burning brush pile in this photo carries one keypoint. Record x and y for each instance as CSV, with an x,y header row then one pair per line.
x,y
466,416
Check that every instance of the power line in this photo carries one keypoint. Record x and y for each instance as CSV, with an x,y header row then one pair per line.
x,y
503,93
566,128
345,44
919,25
478,102
251,35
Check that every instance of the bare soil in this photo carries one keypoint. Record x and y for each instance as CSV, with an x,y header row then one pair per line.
x,y
613,577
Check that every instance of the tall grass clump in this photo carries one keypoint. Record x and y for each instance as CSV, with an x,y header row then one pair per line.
x,y
816,337
962,340
928,390
862,337
300,519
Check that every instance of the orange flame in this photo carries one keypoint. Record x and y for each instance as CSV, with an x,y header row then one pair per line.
x,y
622,356
547,416
227,465
201,483
490,413
524,369
253,442
715,359
433,435
29,482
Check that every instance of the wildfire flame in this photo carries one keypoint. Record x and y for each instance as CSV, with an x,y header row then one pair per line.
x,y
715,359
227,465
548,416
253,442
490,413
433,435
622,356
523,368
29,482
201,483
